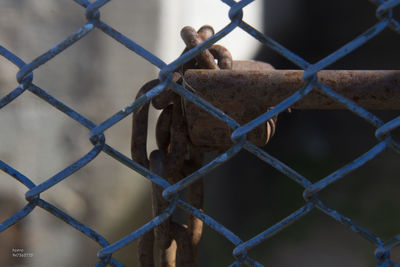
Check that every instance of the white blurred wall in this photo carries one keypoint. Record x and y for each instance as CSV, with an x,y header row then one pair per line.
x,y
176,14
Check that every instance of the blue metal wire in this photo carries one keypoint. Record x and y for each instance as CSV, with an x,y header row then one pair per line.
x,y
188,180
129,109
65,173
274,229
384,14
138,233
54,51
346,49
284,105
277,164
357,163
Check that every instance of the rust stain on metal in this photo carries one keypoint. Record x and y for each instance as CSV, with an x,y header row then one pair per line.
x,y
251,88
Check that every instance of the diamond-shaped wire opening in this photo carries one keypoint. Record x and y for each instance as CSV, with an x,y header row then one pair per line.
x,y
102,90
361,160
346,49
214,249
314,240
382,248
38,147
111,201
359,196
243,221
315,41
122,217
106,204
37,25
258,187
20,216
312,140
57,218
219,228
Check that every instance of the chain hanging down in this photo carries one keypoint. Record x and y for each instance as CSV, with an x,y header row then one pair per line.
x,y
176,156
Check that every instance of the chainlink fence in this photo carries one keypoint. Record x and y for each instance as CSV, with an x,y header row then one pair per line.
x,y
385,19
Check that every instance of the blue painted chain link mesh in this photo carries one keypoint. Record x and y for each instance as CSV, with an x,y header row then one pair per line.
x,y
383,134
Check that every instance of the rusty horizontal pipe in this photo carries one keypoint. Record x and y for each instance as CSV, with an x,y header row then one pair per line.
x,y
246,92
371,89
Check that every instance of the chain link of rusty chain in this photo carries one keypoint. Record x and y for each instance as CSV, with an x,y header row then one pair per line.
x,y
176,157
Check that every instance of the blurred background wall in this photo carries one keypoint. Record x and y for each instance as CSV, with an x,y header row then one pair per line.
x,y
98,76
315,143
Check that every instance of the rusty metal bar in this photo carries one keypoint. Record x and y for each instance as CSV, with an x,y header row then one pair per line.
x,y
245,93
371,89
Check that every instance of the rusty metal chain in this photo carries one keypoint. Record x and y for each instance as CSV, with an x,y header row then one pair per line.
x,y
177,156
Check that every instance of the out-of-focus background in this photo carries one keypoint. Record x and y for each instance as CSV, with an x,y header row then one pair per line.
x,y
97,77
